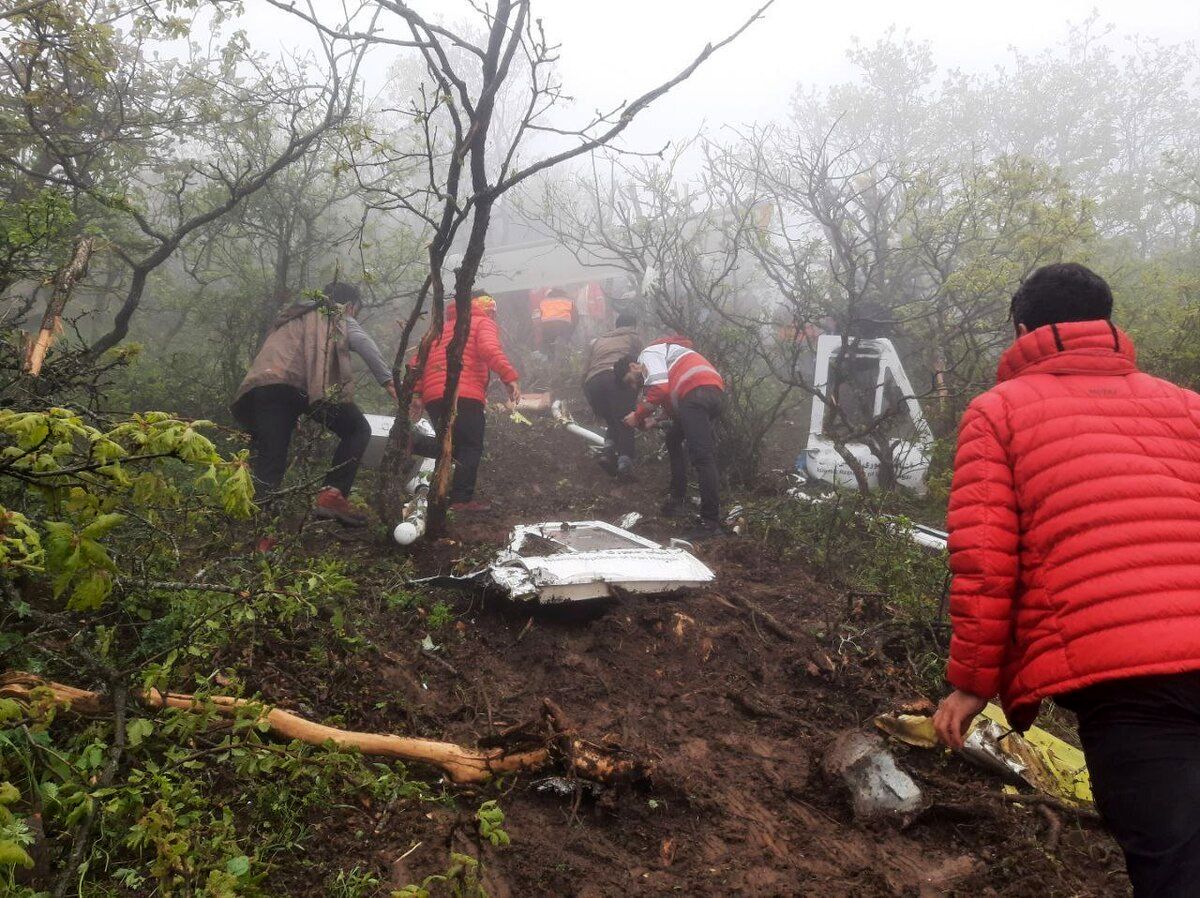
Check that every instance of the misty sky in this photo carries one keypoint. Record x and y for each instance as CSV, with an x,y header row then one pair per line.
x,y
615,49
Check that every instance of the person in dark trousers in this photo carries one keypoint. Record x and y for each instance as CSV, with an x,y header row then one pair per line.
x,y
1074,526
610,397
683,385
483,354
303,368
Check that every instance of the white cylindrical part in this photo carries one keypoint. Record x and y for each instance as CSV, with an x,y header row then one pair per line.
x,y
590,436
407,532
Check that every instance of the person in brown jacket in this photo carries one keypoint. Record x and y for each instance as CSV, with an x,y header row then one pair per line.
x,y
303,368
610,397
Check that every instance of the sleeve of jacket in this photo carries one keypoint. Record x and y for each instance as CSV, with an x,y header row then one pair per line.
x,y
657,396
984,560
491,351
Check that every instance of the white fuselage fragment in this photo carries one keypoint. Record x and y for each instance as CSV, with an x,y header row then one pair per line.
x,y
558,562
821,459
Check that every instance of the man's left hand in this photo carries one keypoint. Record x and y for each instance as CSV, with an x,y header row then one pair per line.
x,y
954,716
390,386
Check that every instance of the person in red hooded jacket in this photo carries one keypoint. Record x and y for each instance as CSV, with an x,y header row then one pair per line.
x,y
1074,526
483,354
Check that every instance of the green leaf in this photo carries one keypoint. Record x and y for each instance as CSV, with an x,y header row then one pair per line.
x,y
238,866
13,855
102,525
9,793
91,592
137,730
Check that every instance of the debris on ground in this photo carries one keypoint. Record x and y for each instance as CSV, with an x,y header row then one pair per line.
x,y
878,787
1037,759
558,562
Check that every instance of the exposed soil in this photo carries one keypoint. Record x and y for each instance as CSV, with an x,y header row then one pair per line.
x,y
734,716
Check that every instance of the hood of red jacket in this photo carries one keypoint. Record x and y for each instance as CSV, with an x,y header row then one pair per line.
x,y
1073,347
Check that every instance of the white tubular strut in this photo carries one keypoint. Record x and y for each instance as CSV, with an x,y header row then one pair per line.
x,y
412,527
563,417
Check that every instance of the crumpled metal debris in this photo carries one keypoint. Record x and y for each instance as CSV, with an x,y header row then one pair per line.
x,y
629,521
878,787
566,788
1037,759
558,562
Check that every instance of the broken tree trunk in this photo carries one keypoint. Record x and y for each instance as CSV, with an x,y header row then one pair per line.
x,y
64,282
462,765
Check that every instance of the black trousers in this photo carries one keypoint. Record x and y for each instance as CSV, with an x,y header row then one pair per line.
x,y
1141,737
695,424
612,400
270,414
468,444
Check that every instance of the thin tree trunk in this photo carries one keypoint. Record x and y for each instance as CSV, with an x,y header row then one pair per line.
x,y
64,282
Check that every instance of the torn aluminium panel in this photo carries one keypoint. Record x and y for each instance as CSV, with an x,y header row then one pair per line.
x,y
560,562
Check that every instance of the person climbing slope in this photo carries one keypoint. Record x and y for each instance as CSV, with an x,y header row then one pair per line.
x,y
303,368
483,354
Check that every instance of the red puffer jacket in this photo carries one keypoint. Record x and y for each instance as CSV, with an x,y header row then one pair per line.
x,y
1074,523
482,355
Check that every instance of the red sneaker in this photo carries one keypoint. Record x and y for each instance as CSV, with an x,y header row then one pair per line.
x,y
475,505
333,505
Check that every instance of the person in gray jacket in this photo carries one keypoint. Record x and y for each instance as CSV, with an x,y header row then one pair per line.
x,y
611,398
303,368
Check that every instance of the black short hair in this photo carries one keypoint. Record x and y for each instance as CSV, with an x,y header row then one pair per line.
x,y
621,366
627,319
342,293
1064,291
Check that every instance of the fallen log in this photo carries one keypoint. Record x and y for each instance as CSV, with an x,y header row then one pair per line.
x,y
461,765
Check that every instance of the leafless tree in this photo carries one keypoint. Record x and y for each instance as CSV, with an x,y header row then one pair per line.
x,y
462,174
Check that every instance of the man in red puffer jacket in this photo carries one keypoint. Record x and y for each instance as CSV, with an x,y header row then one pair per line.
x,y
1075,546
482,355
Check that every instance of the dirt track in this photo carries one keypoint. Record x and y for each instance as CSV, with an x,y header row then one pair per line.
x,y
735,716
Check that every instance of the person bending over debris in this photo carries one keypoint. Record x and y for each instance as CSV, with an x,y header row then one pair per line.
x,y
482,355
610,397
1075,546
303,368
684,386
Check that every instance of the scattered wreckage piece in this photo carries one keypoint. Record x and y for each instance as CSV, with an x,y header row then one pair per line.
x,y
535,403
927,537
873,387
563,417
878,787
460,764
1036,759
563,562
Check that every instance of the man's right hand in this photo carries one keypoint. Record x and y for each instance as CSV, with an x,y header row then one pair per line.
x,y
416,409
514,392
954,716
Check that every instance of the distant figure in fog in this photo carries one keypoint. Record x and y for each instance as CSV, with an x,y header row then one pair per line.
x,y
610,397
1075,546
303,368
557,316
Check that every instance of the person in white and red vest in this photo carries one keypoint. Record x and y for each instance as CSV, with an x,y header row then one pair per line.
x,y
681,386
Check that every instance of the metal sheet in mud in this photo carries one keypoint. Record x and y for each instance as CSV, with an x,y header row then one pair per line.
x,y
570,561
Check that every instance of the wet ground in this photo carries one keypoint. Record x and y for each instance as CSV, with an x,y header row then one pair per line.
x,y
733,694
